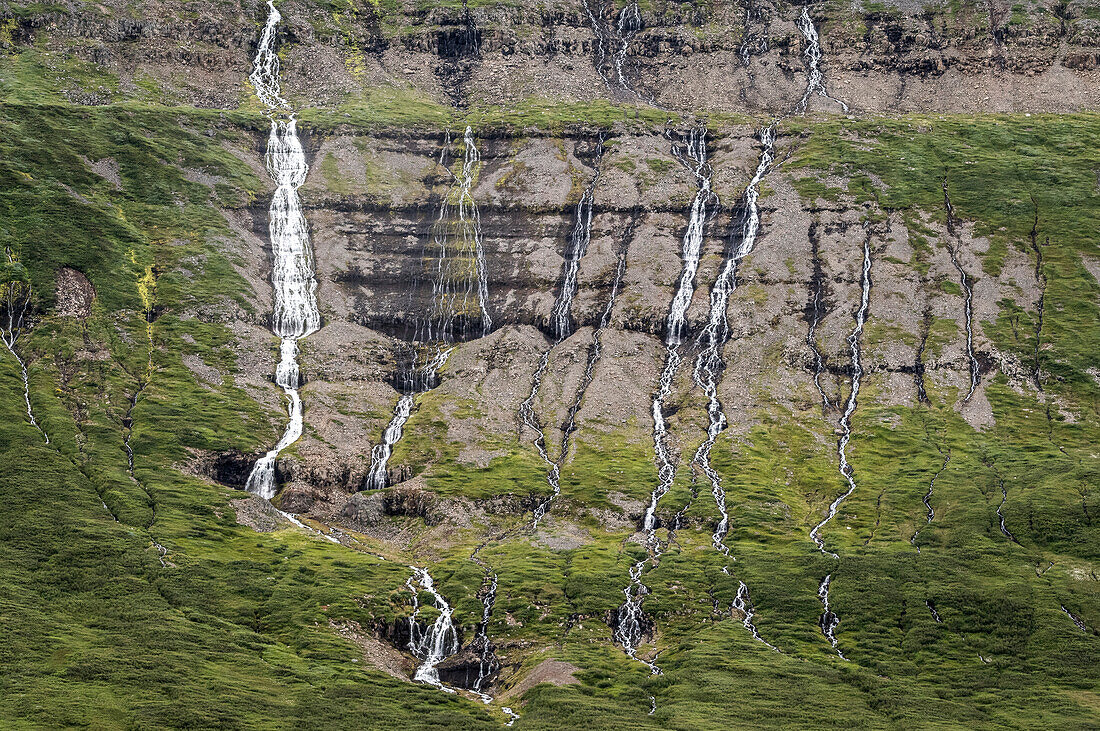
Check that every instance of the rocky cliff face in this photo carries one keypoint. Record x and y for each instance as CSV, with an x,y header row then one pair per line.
x,y
884,476
899,56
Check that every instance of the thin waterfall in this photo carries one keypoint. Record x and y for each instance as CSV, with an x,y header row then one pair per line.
x,y
17,297
815,83
829,620
753,43
845,422
628,25
629,631
440,640
968,292
709,364
460,295
487,663
561,319
295,305
933,612
743,604
613,42
562,324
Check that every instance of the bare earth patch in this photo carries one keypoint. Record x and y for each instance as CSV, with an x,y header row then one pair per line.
x,y
554,672
377,653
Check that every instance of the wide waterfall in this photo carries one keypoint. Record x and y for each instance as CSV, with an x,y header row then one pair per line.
x,y
295,311
439,641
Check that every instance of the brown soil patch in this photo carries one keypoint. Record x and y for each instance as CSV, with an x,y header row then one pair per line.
x,y
554,672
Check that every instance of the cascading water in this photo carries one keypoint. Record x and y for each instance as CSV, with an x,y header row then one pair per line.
x,y
829,620
562,323
709,364
613,42
815,83
439,641
628,25
753,43
968,292
295,305
629,631
845,422
743,604
418,380
487,664
933,612
459,290
17,296
561,319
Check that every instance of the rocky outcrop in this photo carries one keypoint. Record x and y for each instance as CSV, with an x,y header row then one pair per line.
x,y
898,55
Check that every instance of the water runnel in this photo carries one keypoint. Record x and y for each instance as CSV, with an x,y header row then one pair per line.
x,y
845,422
17,295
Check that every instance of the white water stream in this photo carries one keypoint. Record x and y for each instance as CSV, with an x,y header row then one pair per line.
x,y
709,363
439,641
815,83
295,305
460,289
845,422
15,304
629,629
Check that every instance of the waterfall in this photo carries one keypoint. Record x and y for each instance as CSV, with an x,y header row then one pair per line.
x,y
630,22
752,44
487,664
295,305
1001,515
829,621
743,604
562,324
17,296
613,44
531,420
561,318
460,288
709,364
933,612
418,380
815,83
439,641
845,422
628,632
